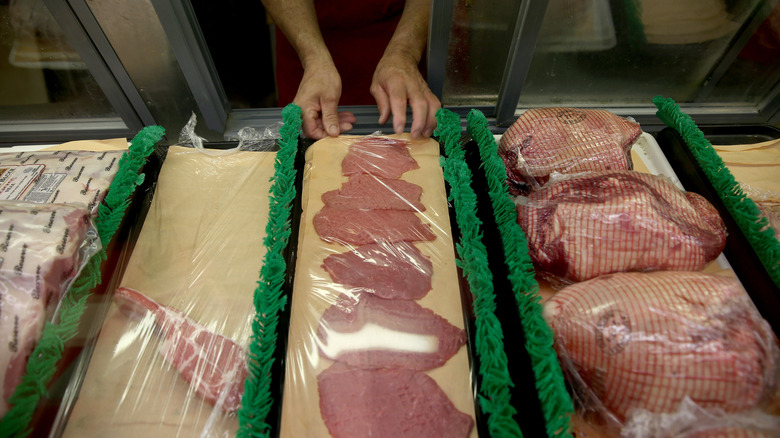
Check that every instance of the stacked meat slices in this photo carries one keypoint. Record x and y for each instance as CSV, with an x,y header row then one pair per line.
x,y
380,339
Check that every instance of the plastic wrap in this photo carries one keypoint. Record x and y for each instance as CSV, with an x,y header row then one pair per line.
x,y
564,140
633,342
43,248
376,322
171,357
62,176
582,226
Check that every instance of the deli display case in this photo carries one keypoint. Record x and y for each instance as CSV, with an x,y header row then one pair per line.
x,y
586,246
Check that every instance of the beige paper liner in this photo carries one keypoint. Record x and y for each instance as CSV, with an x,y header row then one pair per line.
x,y
314,291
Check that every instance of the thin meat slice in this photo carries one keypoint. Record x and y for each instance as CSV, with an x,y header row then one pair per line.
x,y
369,332
648,340
585,226
387,403
565,140
360,227
371,192
389,270
380,156
213,364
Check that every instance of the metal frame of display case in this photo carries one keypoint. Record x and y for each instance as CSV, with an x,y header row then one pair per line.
x,y
186,80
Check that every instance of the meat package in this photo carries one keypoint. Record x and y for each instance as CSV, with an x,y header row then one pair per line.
x,y
582,226
81,177
543,141
175,364
633,342
376,344
42,250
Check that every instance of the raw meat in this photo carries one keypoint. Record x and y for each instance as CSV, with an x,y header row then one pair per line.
x,y
392,403
371,332
371,192
648,340
380,156
585,226
564,140
360,227
58,176
213,364
42,249
390,270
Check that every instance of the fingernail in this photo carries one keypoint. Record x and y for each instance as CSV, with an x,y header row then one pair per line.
x,y
333,130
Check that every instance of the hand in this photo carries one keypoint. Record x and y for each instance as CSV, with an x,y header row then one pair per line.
x,y
397,80
318,96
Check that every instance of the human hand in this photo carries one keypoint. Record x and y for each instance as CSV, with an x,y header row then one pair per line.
x,y
318,96
397,80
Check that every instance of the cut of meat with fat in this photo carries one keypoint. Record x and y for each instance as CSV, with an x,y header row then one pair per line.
x,y
369,332
649,340
214,365
585,226
360,227
388,270
370,192
43,247
387,403
380,156
565,140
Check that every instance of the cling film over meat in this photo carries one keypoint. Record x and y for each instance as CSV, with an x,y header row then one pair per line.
x,y
376,300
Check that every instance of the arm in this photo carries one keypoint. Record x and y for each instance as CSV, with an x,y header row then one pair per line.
x,y
320,88
397,78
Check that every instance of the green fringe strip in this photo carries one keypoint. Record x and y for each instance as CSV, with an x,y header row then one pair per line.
x,y
494,391
740,206
43,362
555,400
269,299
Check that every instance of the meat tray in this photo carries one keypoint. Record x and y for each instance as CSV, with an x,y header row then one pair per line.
x,y
525,399
744,260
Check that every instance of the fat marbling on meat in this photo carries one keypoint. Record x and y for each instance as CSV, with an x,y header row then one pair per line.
x,y
380,156
388,270
649,340
564,140
42,250
588,225
369,332
212,364
387,403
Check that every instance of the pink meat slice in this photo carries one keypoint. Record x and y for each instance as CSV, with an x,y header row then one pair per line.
x,y
213,364
648,340
604,222
428,339
388,270
370,192
42,250
391,403
565,140
380,156
360,227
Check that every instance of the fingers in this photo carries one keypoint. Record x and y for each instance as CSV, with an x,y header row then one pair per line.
x,y
312,124
330,117
382,103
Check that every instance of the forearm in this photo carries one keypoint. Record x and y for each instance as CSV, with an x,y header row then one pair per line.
x,y
297,19
411,36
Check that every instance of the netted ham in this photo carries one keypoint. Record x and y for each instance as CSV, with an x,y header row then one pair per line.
x,y
387,403
380,156
360,227
80,177
372,192
564,140
42,250
369,332
585,226
649,340
390,270
212,364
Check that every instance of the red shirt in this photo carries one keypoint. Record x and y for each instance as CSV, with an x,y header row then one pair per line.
x,y
356,32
